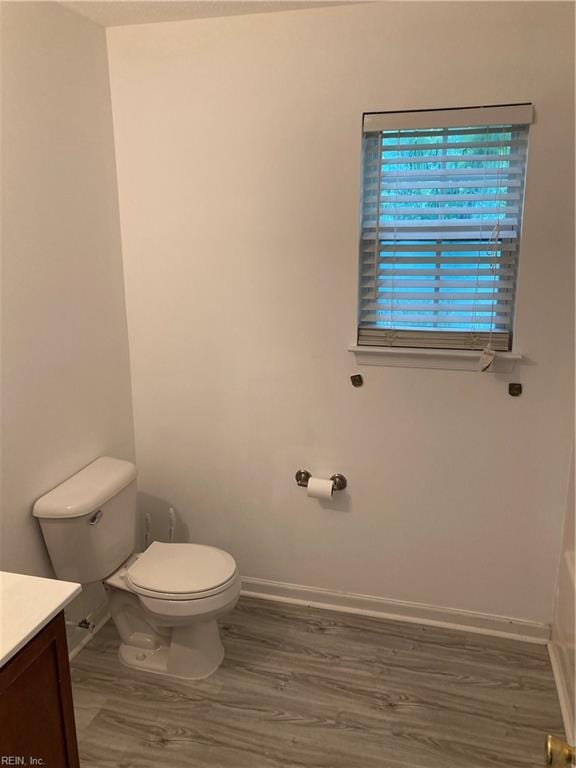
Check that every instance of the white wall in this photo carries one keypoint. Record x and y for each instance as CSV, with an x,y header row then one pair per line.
x,y
563,646
66,383
238,145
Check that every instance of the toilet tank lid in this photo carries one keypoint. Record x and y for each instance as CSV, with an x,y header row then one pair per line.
x,y
87,490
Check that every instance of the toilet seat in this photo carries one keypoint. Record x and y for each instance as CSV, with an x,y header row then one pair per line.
x,y
181,572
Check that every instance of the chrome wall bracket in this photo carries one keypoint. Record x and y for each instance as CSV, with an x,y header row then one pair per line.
x,y
302,478
339,481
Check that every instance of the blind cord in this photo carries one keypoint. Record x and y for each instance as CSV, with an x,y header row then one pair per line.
x,y
488,354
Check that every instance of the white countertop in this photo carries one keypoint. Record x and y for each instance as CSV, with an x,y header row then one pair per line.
x,y
28,603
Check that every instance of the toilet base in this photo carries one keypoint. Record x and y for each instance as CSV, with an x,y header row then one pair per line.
x,y
195,652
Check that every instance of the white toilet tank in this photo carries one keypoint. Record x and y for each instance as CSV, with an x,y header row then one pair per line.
x,y
89,521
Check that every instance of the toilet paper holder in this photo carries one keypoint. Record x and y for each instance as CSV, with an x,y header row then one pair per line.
x,y
303,476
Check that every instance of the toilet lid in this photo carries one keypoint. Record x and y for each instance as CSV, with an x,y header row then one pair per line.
x,y
181,569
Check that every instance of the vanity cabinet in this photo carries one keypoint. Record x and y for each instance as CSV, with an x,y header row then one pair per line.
x,y
36,710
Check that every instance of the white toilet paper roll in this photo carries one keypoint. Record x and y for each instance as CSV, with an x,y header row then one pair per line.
x,y
318,488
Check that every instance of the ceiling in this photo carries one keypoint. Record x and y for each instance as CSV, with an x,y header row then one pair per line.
x,y
114,13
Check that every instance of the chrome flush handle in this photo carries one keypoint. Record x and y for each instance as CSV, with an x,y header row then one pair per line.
x,y
96,517
559,754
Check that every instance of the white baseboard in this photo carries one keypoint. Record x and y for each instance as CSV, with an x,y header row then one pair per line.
x,y
565,693
417,613
98,618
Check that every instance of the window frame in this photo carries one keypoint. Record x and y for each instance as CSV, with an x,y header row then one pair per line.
x,y
424,355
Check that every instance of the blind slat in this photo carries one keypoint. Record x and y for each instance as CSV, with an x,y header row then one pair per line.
x,y
439,283
424,247
399,278
433,322
405,186
508,161
431,234
374,138
505,299
477,311
403,260
389,237
403,198
442,211
386,146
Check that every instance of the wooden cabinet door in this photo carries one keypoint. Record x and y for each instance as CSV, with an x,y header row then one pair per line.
x,y
36,711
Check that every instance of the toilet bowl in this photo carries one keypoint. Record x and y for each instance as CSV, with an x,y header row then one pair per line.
x,y
165,603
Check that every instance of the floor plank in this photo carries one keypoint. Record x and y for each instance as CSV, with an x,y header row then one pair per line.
x,y
318,689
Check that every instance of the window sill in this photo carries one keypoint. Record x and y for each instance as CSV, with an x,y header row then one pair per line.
x,y
446,359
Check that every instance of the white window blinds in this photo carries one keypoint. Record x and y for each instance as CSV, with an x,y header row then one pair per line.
x,y
441,214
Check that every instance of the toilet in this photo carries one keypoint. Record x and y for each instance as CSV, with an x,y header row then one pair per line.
x,y
165,601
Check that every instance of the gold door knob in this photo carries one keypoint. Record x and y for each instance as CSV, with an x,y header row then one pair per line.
x,y
559,754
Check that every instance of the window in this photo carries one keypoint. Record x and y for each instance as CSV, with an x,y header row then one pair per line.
x,y
441,214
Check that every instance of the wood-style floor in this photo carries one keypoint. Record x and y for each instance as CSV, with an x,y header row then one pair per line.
x,y
316,689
